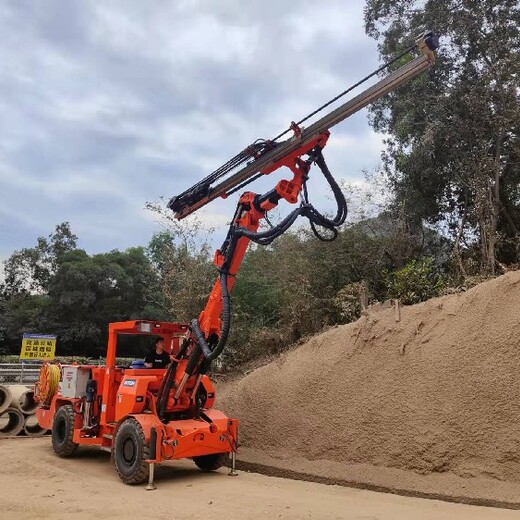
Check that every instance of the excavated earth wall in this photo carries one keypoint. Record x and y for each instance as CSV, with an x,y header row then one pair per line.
x,y
431,398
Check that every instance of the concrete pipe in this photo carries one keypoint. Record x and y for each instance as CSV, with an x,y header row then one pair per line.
x,y
11,422
23,398
32,428
5,398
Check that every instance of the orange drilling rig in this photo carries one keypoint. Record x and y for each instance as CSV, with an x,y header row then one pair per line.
x,y
145,416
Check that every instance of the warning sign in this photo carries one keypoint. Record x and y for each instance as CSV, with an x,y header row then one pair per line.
x,y
38,346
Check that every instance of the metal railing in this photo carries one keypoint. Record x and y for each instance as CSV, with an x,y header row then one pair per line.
x,y
19,373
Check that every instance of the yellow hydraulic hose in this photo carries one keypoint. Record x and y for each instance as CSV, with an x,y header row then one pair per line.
x,y
47,385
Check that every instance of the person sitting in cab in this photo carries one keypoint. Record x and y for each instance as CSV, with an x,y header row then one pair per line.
x,y
157,357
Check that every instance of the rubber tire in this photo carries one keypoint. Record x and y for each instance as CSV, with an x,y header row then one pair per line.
x,y
63,432
211,462
136,470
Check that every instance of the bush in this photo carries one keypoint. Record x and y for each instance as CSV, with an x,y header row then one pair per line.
x,y
418,281
348,301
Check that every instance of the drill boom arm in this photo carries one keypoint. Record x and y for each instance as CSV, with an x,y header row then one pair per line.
x,y
202,193
210,330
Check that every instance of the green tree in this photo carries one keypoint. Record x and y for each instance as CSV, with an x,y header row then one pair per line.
x,y
19,313
418,281
89,292
452,154
182,256
186,273
56,288
31,269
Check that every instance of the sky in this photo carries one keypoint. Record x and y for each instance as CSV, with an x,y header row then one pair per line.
x,y
105,105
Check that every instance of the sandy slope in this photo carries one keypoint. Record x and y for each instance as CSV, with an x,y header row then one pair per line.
x,y
436,393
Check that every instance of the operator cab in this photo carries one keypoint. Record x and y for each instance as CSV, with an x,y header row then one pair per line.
x,y
171,333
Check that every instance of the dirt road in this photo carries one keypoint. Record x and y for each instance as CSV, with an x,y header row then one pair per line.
x,y
35,484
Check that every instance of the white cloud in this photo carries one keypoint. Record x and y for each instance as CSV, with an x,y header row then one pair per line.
x,y
106,105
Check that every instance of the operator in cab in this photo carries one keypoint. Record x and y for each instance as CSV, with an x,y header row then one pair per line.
x,y
157,357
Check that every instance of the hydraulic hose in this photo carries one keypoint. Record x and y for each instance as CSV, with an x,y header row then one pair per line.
x,y
168,381
48,383
211,354
341,213
265,238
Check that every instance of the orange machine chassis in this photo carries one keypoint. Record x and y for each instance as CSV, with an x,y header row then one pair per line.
x,y
185,426
129,392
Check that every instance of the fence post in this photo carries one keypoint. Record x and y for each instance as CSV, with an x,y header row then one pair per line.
x,y
397,310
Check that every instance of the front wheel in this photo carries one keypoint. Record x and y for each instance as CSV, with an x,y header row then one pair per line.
x,y
211,462
63,432
131,452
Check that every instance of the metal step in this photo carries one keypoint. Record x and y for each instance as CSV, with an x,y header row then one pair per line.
x,y
106,448
108,436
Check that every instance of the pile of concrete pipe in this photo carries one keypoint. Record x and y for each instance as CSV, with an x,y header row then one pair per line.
x,y
17,411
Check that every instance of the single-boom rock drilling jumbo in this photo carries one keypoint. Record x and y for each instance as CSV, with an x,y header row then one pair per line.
x,y
146,416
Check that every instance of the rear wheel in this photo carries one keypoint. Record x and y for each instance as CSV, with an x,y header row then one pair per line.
x,y
131,452
211,462
63,432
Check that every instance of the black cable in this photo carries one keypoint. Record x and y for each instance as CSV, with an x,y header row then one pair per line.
x,y
168,380
360,82
268,220
164,390
209,353
341,204
258,148
244,184
202,188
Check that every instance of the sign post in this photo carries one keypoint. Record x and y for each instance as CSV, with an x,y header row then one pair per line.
x,y
38,346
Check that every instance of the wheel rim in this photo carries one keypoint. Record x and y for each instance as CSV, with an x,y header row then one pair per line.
x,y
129,451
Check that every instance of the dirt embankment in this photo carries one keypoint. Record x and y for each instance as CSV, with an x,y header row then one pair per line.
x,y
437,392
